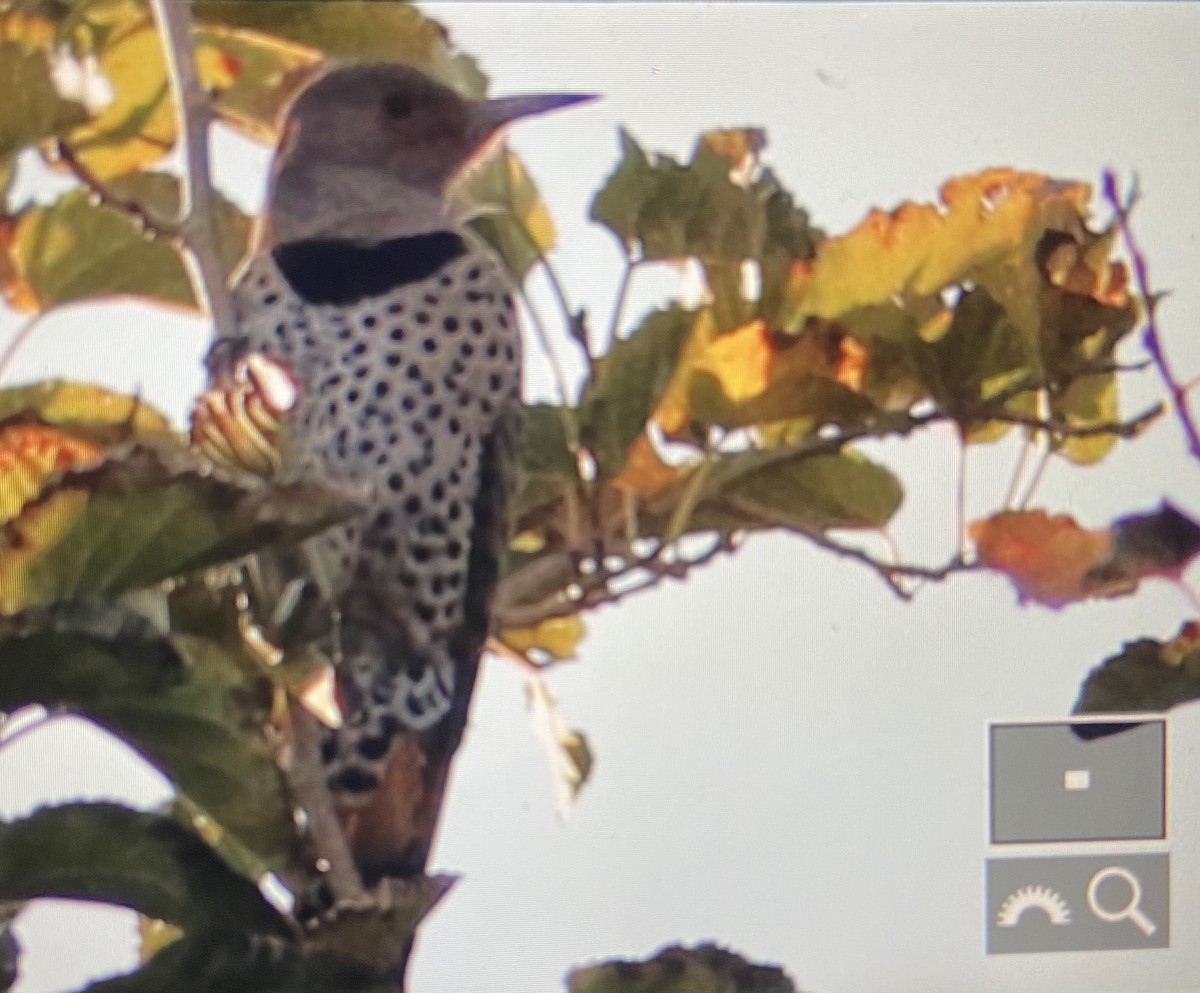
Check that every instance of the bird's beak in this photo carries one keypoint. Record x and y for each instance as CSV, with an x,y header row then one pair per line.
x,y
491,115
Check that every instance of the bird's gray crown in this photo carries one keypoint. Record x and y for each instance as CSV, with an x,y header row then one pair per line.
x,y
366,152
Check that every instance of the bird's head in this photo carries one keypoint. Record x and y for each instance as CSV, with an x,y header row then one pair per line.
x,y
381,138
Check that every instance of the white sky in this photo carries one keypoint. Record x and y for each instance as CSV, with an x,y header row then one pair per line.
x,y
789,760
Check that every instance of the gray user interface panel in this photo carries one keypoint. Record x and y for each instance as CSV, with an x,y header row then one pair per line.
x,y
1078,781
1078,903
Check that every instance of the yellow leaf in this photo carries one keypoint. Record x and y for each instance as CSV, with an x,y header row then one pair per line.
x,y
138,128
154,936
984,230
556,636
740,361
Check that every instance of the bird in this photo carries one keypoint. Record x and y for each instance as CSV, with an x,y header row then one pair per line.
x,y
400,331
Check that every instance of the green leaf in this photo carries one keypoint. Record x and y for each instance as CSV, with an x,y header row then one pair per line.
x,y
806,492
628,383
1147,675
150,863
507,211
221,962
149,513
79,651
74,250
545,466
32,109
1088,401
252,75
706,968
660,209
189,705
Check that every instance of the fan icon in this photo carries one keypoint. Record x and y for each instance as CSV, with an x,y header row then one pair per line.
x,y
1036,898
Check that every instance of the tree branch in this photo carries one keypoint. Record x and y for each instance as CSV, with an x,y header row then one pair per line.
x,y
197,220
1150,336
307,782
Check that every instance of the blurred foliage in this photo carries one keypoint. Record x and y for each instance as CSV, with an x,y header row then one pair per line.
x,y
703,969
138,576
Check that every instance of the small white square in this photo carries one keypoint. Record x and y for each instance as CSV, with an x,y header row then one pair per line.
x,y
1077,779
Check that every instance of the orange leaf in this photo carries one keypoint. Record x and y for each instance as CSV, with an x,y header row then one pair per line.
x,y
1047,557
644,473
29,453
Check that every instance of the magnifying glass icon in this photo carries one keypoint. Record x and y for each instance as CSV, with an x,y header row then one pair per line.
x,y
1131,911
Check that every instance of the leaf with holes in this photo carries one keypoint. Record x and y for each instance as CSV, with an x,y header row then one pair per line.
x,y
662,209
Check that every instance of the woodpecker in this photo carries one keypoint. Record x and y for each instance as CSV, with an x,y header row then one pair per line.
x,y
401,333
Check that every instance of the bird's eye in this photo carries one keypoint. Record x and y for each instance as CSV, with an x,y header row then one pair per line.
x,y
398,104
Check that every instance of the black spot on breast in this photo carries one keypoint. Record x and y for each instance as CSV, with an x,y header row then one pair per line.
x,y
354,780
374,748
340,271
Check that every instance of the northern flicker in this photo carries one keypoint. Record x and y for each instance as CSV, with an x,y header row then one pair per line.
x,y
401,333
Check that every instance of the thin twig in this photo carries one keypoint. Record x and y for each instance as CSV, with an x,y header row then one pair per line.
x,y
888,571
34,725
560,376
197,219
24,333
1151,339
614,324
960,497
1035,480
1014,483
142,217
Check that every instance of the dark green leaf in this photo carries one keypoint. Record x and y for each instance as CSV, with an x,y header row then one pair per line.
x,y
706,968
151,863
806,492
628,382
1146,675
185,703
661,209
220,962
